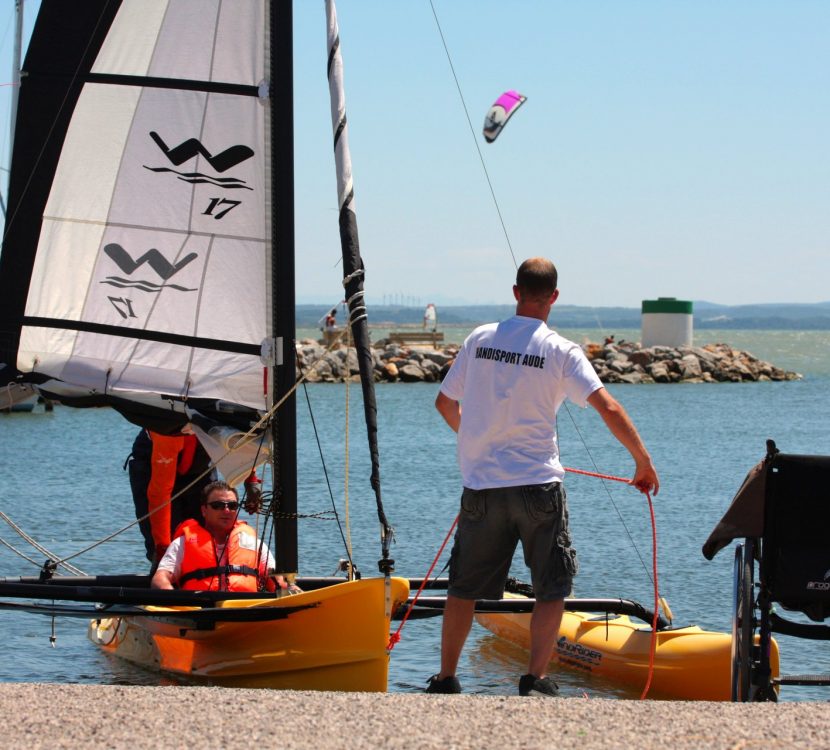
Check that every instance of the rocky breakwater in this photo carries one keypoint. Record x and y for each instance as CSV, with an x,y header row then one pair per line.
x,y
712,363
392,363
614,363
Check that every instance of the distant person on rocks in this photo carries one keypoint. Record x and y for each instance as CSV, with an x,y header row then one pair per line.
x,y
330,326
501,396
217,551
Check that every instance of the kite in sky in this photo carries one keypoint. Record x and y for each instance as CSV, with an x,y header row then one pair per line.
x,y
501,111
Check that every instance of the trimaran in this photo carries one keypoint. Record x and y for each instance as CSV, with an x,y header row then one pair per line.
x,y
148,266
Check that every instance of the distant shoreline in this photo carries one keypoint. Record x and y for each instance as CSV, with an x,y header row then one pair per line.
x,y
706,316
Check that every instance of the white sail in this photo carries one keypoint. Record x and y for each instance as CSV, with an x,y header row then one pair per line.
x,y
430,317
153,277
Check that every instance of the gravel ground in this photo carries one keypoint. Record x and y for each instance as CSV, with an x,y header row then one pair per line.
x,y
68,716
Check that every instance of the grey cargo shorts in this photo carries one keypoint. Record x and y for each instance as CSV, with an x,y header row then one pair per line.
x,y
490,525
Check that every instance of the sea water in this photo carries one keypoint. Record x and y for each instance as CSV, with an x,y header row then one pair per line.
x,y
62,481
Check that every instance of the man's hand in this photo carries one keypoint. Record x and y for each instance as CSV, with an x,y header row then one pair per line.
x,y
163,579
285,587
645,479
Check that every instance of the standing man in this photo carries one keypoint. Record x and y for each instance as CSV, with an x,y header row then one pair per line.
x,y
512,378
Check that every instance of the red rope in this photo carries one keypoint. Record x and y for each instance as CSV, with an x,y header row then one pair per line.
x,y
396,636
598,476
653,646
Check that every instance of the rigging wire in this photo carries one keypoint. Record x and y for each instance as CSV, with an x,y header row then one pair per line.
x,y
607,491
473,133
326,476
34,543
346,448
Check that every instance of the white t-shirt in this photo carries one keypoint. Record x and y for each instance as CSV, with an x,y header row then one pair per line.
x,y
171,561
512,377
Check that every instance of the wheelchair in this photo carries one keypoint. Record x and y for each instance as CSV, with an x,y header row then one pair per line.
x,y
790,543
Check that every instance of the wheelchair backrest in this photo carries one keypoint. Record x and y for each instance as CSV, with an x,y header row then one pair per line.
x,y
795,553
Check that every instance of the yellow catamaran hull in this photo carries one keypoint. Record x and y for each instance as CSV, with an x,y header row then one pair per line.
x,y
338,643
690,663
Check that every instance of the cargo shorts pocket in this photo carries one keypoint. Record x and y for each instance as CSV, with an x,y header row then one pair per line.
x,y
565,553
544,501
473,504
548,504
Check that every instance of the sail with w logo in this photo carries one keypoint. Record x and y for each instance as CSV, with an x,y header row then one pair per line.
x,y
153,277
191,149
155,260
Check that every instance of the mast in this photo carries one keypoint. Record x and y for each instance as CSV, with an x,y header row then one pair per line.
x,y
353,271
16,62
282,286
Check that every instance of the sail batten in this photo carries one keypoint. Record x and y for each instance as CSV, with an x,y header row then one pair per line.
x,y
215,87
237,347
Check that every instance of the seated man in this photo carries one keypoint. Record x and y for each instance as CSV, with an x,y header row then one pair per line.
x,y
220,553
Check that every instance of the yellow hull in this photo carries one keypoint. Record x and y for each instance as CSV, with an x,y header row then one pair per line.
x,y
339,643
690,663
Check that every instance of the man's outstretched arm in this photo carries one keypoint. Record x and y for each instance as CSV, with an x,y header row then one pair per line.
x,y
621,427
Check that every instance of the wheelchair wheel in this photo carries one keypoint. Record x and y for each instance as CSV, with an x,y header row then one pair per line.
x,y
743,620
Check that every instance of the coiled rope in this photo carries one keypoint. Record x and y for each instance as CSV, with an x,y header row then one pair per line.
x,y
653,645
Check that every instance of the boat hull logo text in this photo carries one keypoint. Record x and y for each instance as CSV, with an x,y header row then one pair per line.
x,y
577,655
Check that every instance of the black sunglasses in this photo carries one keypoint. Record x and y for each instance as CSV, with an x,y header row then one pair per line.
x,y
230,505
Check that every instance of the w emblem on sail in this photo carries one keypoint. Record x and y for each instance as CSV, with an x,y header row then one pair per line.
x,y
163,267
192,148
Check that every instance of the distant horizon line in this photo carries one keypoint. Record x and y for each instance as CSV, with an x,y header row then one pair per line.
x,y
703,303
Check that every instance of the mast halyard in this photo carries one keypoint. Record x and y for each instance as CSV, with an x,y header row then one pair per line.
x,y
284,429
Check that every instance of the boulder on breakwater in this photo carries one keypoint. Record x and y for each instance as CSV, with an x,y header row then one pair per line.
x,y
626,362
623,362
392,363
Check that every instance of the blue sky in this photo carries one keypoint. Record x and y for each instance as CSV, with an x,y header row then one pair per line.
x,y
666,148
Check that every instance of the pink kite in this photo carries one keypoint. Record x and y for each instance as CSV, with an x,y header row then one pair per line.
x,y
501,111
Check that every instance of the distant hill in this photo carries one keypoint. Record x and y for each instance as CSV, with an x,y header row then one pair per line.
x,y
786,316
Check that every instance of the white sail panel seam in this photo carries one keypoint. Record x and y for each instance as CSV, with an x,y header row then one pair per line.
x,y
165,230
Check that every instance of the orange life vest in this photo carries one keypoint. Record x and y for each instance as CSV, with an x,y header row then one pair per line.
x,y
171,455
239,568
